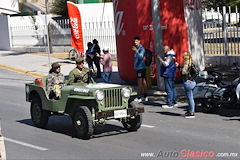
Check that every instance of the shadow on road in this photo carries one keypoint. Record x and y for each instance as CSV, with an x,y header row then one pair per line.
x,y
223,111
16,79
226,112
153,103
170,113
12,54
108,130
63,125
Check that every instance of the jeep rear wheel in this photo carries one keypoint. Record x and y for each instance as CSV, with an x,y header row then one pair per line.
x,y
38,115
133,124
82,122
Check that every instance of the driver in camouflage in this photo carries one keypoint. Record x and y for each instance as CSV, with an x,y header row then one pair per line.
x,y
79,75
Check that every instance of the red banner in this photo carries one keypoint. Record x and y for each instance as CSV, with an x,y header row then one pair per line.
x,y
76,26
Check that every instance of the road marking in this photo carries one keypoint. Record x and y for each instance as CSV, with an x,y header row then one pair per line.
x,y
148,126
25,144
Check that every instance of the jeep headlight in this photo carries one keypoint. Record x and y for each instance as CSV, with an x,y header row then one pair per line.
x,y
126,92
99,95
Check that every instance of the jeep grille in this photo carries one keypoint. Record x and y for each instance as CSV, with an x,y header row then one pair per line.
x,y
113,98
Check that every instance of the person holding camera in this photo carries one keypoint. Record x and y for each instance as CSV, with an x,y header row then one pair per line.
x,y
140,67
168,72
188,82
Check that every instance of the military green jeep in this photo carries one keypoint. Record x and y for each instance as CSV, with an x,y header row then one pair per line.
x,y
88,105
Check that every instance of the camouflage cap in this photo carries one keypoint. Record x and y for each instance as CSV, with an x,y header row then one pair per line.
x,y
55,65
80,59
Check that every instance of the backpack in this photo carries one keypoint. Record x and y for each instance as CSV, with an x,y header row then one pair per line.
x,y
148,57
193,72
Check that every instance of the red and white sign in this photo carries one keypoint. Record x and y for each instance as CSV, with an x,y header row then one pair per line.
x,y
76,26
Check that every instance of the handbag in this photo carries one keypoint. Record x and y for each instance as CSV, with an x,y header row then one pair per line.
x,y
193,72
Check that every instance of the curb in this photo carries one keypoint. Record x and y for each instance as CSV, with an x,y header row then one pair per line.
x,y
34,74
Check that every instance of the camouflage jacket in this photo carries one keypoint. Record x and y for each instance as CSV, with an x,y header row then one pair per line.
x,y
76,77
54,79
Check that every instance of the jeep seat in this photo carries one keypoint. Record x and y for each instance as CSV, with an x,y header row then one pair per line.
x,y
44,82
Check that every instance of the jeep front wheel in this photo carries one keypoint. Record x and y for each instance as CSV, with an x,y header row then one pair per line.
x,y
133,124
38,115
82,122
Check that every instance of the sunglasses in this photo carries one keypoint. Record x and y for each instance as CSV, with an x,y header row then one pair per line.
x,y
80,62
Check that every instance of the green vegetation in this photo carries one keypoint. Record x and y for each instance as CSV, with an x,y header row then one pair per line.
x,y
59,7
217,3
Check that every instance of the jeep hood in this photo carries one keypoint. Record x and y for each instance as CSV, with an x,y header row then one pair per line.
x,y
102,85
89,89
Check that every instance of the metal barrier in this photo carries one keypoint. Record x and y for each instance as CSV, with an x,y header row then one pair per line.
x,y
25,35
222,33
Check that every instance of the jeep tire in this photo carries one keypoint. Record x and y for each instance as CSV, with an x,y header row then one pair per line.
x,y
82,122
133,124
38,115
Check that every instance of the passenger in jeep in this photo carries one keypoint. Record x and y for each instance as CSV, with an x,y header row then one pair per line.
x,y
55,81
79,75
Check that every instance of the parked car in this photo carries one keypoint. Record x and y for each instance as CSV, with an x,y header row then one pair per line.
x,y
212,23
87,104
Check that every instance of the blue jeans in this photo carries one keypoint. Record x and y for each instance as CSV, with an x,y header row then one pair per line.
x,y
170,90
106,76
188,86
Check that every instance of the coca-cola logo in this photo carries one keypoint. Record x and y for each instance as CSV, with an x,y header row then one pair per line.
x,y
118,19
193,4
74,25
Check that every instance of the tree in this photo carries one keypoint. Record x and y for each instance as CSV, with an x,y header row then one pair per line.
x,y
214,3
59,7
220,3
234,3
24,10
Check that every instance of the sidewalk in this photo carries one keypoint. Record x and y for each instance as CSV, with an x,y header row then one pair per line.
x,y
37,66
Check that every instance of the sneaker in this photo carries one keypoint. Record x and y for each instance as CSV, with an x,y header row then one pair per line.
x,y
145,99
175,105
138,100
189,115
167,106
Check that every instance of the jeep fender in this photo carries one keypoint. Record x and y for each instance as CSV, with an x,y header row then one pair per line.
x,y
76,101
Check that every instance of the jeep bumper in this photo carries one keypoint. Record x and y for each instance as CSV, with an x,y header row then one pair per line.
x,y
130,111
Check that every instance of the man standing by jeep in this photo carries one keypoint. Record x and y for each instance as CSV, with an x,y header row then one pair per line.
x,y
140,67
79,75
168,72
